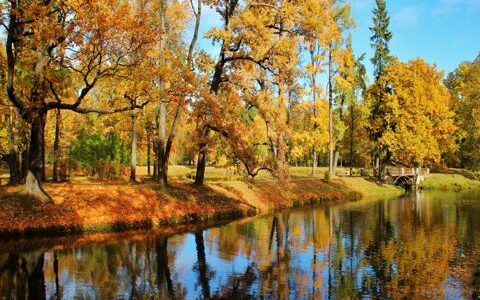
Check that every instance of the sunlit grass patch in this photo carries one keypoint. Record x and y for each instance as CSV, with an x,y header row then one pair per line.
x,y
454,182
371,188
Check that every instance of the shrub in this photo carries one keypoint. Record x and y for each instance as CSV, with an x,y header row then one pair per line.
x,y
327,176
103,156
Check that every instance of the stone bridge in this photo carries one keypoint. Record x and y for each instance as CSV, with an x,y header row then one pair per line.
x,y
407,177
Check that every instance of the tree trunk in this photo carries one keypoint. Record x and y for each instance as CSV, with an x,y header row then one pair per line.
x,y
56,146
314,100
133,160
203,146
148,152
36,167
44,174
202,157
13,156
155,170
377,172
352,127
162,163
24,165
330,112
155,160
281,169
335,161
178,113
281,159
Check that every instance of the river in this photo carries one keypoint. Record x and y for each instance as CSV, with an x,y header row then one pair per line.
x,y
425,245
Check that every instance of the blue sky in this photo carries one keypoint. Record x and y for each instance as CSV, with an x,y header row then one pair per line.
x,y
444,32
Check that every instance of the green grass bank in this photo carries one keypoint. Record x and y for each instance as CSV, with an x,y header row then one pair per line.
x,y
449,182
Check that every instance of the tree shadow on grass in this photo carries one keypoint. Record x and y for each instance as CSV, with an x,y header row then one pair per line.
x,y
376,181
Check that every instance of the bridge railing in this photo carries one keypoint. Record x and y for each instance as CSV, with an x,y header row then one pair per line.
x,y
404,171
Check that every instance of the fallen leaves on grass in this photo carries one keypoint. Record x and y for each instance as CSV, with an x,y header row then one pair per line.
x,y
81,206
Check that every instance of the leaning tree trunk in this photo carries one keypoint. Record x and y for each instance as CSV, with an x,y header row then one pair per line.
x,y
56,146
13,156
33,183
133,159
203,146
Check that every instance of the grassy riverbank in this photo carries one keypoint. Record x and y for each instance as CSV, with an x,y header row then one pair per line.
x,y
109,206
449,182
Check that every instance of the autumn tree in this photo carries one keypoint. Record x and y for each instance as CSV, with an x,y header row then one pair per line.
x,y
356,144
309,125
251,34
10,115
349,86
418,113
53,40
320,31
258,63
464,83
338,58
180,88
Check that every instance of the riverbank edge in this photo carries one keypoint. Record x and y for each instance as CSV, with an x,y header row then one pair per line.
x,y
244,199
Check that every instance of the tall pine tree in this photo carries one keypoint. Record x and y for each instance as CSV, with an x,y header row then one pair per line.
x,y
380,38
378,124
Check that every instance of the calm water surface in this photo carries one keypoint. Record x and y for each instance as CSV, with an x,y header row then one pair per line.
x,y
423,246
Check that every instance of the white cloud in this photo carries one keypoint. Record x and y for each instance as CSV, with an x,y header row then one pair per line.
x,y
407,16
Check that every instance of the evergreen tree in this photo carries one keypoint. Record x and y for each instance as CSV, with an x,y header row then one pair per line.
x,y
380,38
377,93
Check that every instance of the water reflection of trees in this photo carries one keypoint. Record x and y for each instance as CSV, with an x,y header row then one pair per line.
x,y
22,277
383,249
125,270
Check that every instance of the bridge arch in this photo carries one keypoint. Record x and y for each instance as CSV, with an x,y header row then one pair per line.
x,y
403,180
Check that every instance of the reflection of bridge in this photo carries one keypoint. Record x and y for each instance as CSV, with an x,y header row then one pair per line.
x,y
410,177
